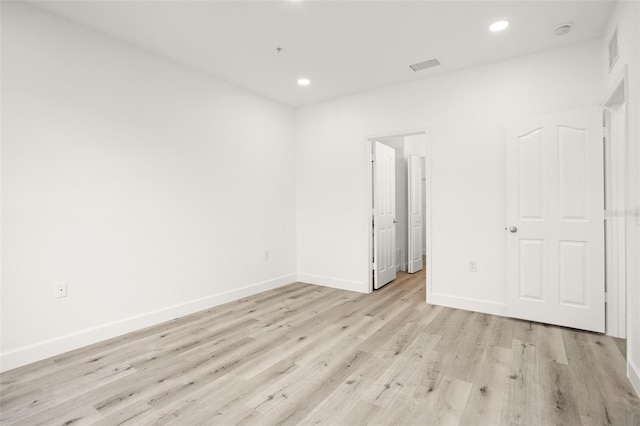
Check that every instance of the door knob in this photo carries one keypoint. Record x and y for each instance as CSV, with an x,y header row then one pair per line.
x,y
513,229
395,220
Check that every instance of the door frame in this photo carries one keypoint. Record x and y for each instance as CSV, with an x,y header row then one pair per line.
x,y
368,209
615,194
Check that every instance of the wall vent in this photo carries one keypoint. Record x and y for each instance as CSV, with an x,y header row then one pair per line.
x,y
425,64
613,49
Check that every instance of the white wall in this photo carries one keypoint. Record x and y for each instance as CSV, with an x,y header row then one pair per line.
x,y
152,190
626,17
467,112
415,145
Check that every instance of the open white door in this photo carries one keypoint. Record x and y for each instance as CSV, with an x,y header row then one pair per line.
x,y
555,214
414,208
384,211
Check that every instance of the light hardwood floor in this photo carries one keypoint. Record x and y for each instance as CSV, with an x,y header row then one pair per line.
x,y
304,354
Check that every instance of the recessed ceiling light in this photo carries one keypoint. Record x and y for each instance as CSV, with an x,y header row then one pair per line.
x,y
304,81
498,26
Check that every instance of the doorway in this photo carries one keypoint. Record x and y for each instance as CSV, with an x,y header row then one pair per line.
x,y
399,236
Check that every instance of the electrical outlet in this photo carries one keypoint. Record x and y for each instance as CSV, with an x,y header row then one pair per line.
x,y
61,290
266,255
472,266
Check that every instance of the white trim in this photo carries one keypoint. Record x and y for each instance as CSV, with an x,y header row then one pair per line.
x,y
368,275
428,190
633,372
477,305
48,348
615,181
338,283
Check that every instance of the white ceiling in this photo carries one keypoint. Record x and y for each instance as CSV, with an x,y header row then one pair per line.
x,y
344,47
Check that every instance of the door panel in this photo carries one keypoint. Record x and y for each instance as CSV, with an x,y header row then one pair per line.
x,y
384,201
414,236
572,168
573,273
531,267
530,161
555,202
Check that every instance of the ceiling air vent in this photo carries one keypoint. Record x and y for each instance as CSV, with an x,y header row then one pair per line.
x,y
425,64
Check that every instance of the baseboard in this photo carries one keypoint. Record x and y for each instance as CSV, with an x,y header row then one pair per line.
x,y
338,283
468,304
28,354
634,376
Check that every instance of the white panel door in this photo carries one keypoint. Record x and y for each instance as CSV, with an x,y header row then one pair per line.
x,y
555,220
414,208
384,206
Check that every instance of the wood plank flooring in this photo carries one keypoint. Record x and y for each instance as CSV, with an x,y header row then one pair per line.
x,y
304,354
